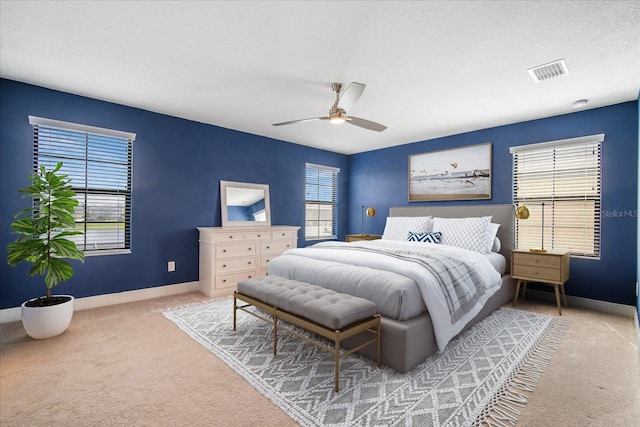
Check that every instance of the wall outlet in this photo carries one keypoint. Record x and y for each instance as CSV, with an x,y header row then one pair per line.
x,y
171,266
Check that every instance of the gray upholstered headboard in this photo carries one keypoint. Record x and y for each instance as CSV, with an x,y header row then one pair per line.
x,y
502,214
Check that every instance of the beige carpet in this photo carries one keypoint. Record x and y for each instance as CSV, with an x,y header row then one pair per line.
x,y
127,365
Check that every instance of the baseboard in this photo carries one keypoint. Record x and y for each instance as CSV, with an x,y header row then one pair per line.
x,y
14,314
637,322
591,304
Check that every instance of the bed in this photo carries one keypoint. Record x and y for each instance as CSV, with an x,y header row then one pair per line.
x,y
422,302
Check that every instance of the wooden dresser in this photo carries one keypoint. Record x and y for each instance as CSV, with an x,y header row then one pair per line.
x,y
231,254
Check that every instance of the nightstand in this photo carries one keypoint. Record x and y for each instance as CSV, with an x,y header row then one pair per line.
x,y
549,268
358,237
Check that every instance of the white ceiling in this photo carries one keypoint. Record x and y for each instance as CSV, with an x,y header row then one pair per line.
x,y
432,68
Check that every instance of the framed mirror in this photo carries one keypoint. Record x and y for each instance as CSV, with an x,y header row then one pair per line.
x,y
244,204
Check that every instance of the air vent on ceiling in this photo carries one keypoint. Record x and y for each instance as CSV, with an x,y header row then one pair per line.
x,y
548,71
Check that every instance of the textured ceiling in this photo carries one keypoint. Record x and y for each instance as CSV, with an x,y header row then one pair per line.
x,y
432,68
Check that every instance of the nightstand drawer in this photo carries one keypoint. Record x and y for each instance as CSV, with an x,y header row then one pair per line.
x,y
534,273
537,260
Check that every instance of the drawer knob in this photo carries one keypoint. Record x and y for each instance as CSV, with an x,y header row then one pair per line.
x,y
231,237
268,247
224,251
288,246
259,235
224,280
249,248
224,265
249,263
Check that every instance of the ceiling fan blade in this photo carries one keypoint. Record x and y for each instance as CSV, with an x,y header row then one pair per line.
x,y
350,95
367,124
313,119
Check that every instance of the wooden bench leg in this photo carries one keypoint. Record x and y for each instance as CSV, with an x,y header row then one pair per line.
x,y
235,308
379,341
275,331
337,362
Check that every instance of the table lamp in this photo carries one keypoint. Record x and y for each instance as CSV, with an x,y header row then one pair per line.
x,y
522,212
368,211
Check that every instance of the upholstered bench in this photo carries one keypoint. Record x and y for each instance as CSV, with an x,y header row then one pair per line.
x,y
327,313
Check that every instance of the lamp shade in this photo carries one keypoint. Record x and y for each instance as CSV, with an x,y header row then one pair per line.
x,y
522,212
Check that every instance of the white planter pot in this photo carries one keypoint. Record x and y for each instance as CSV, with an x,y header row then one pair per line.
x,y
47,322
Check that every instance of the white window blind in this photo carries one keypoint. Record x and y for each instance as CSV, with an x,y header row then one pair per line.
x,y
99,163
565,176
321,191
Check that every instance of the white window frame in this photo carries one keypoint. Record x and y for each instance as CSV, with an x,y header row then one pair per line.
x,y
565,176
313,205
91,155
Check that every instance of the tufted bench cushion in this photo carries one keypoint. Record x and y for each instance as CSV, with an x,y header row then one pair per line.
x,y
323,306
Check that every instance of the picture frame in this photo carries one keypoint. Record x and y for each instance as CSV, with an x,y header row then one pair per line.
x,y
462,173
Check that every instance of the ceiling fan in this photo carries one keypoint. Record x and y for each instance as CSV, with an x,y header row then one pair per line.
x,y
338,113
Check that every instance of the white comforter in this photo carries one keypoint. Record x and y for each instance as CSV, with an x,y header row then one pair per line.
x,y
450,308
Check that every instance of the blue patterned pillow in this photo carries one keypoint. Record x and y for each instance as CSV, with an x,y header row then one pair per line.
x,y
424,237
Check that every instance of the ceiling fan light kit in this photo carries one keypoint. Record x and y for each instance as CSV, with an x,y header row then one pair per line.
x,y
338,112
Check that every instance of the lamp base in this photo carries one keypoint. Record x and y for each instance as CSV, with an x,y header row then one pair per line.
x,y
538,251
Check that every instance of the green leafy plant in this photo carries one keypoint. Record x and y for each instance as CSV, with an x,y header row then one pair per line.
x,y
45,227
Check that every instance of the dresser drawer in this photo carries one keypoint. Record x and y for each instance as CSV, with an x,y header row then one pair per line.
x,y
230,280
266,259
547,261
257,235
235,264
241,249
276,246
229,237
286,234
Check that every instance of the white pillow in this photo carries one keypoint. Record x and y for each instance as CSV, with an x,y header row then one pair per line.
x,y
497,245
466,233
492,232
398,227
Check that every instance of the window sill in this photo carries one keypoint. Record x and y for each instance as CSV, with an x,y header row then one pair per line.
x,y
107,252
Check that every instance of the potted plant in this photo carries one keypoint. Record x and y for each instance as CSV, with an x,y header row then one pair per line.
x,y
44,229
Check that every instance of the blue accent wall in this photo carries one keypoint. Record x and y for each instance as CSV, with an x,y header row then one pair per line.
x,y
177,168
178,165
379,179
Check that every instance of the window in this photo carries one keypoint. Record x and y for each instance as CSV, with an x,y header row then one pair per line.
x,y
320,202
98,162
563,179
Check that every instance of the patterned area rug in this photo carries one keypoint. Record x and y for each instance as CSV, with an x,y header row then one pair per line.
x,y
482,378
